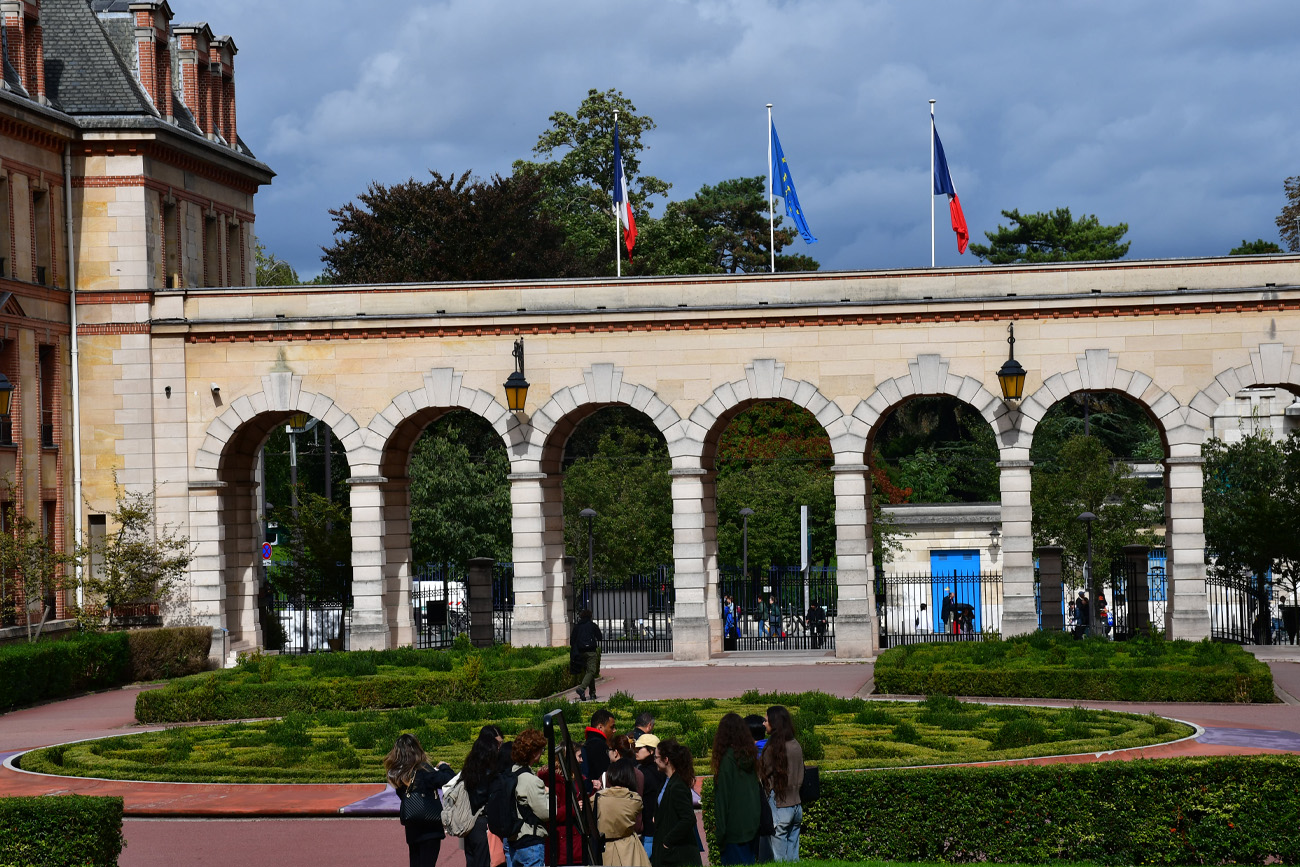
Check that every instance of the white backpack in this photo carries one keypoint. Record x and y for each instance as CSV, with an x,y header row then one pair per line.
x,y
457,818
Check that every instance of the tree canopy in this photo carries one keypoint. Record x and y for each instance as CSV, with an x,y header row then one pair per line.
x,y
733,216
448,228
272,270
1288,222
1054,236
1254,248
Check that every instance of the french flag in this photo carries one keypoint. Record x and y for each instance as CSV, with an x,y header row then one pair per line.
x,y
623,204
943,184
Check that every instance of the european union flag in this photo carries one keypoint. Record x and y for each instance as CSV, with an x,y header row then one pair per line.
x,y
783,186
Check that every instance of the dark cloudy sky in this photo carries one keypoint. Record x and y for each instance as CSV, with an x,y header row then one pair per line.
x,y
1178,118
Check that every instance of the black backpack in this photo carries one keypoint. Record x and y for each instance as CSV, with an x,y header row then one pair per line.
x,y
503,810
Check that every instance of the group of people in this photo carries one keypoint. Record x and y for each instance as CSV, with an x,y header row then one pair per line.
x,y
1082,612
770,619
958,617
640,791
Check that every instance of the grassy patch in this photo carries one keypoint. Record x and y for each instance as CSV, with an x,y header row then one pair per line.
x,y
349,746
1049,665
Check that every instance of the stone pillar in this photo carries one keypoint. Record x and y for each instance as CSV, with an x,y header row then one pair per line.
x,y
370,628
1187,613
478,590
1019,615
397,562
207,586
857,631
241,540
530,624
1137,591
1050,588
697,627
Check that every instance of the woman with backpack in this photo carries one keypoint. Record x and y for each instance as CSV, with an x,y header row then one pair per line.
x,y
410,774
780,770
476,776
737,805
518,806
676,835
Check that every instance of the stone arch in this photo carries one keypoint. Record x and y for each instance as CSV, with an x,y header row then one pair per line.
x,y
225,518
1270,364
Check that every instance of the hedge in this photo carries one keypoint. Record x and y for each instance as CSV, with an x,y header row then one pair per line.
x,y
31,673
1042,665
224,695
1239,809
60,831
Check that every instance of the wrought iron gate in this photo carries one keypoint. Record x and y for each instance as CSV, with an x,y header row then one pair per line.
x,y
440,603
635,615
778,609
910,607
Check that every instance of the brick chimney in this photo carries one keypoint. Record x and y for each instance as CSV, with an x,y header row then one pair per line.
x,y
222,61
194,43
26,50
153,50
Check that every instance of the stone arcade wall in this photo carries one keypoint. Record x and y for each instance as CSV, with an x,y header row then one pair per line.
x,y
379,363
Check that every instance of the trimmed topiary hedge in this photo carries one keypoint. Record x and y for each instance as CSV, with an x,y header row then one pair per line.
x,y
274,686
31,673
1046,665
62,831
1239,810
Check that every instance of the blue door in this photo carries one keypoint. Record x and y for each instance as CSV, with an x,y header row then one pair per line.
x,y
958,570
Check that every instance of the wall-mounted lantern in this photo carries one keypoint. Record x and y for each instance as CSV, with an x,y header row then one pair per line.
x,y
1012,376
516,385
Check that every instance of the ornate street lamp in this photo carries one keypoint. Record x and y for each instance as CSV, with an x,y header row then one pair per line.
x,y
590,515
516,386
1093,609
744,547
1012,375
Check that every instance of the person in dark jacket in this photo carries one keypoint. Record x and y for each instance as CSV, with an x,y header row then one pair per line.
x,y
736,794
409,771
948,611
1081,618
817,623
595,751
676,835
584,644
476,775
646,749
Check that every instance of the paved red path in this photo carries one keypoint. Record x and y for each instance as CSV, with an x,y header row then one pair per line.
x,y
289,839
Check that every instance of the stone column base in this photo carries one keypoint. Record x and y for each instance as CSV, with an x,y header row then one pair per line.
x,y
691,639
856,636
368,637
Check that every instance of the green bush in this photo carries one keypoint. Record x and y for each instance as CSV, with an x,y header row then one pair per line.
x,y
263,686
161,654
60,831
30,673
1232,810
1043,665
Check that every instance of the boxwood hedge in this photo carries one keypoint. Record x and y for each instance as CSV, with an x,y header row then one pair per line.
x,y
1045,665
1231,810
273,686
60,831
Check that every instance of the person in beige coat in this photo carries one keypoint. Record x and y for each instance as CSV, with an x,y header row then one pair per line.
x,y
618,817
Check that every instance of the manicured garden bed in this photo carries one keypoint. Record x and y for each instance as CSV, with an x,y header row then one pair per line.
x,y
1045,665
268,686
60,831
349,746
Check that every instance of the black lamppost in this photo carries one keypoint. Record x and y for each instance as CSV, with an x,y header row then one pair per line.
x,y
1094,610
589,514
744,544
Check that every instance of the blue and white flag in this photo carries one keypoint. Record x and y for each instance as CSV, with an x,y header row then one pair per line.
x,y
783,186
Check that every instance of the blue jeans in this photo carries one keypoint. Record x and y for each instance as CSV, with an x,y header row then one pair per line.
x,y
785,842
737,853
526,856
649,845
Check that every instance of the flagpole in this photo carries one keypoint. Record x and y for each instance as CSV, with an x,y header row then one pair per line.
x,y
771,206
932,183
618,258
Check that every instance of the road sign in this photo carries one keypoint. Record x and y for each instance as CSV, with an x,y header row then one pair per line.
x,y
266,550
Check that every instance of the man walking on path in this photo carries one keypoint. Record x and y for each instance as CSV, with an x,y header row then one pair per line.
x,y
584,649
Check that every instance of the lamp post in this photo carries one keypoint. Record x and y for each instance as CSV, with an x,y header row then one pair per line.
x,y
516,385
589,514
1094,610
1011,376
744,541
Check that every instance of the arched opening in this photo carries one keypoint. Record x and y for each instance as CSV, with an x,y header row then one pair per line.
x,y
1098,497
937,545
773,496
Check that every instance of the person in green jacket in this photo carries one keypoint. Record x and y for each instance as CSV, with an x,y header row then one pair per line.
x,y
735,789
676,835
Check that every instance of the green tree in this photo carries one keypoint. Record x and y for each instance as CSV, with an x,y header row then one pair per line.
x,y
626,482
448,228
672,244
733,214
460,497
1288,222
29,557
1252,513
1085,477
272,270
139,560
942,449
1123,425
1255,248
1052,237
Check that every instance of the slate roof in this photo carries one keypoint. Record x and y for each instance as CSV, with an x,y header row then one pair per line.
x,y
83,72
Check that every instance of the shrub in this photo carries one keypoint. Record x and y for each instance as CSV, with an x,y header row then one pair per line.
x,y
1229,810
161,654
60,831
30,673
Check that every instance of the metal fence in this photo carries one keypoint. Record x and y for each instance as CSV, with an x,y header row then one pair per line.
x,y
778,608
440,603
635,614
1244,610
296,625
910,607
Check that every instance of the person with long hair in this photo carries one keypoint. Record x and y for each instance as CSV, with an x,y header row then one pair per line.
x,y
646,747
780,770
408,770
618,817
527,848
676,835
737,803
477,775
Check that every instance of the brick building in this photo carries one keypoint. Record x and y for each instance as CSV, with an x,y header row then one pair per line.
x,y
121,172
